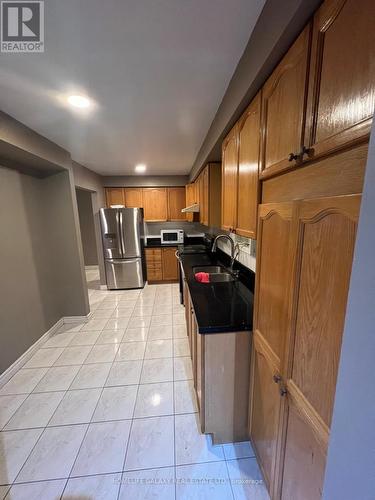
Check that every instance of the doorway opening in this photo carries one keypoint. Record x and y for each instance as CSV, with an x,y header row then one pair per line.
x,y
87,227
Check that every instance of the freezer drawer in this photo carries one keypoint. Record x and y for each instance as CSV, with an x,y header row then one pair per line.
x,y
124,273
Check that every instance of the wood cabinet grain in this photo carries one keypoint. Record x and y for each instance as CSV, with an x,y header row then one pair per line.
x,y
176,202
169,264
114,196
341,99
325,232
229,180
133,197
271,322
162,264
283,108
155,204
248,170
154,264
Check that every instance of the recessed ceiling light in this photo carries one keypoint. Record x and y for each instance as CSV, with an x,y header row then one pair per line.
x,y
79,101
141,167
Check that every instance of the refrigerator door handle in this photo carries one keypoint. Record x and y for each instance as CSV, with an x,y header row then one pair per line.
x,y
121,231
122,261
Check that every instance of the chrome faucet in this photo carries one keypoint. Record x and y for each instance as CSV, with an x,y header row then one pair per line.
x,y
234,249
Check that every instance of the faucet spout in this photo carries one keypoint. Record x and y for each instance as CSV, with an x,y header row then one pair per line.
x,y
233,247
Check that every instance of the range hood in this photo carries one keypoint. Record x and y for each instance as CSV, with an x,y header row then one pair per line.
x,y
191,209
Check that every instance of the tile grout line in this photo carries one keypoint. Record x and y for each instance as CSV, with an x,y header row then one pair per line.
x,y
33,448
132,420
134,470
88,425
28,394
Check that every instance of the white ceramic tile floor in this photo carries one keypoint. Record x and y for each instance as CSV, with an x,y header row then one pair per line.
x,y
107,410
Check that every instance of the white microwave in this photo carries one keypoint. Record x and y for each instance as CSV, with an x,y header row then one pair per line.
x,y
171,236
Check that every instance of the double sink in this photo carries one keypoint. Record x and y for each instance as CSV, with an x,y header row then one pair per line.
x,y
217,274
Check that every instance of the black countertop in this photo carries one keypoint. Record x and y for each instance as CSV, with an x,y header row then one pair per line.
x,y
156,242
218,307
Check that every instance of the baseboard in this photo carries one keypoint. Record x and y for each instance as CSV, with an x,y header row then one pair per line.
x,y
24,358
77,319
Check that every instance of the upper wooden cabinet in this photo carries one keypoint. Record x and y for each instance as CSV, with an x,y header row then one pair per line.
x,y
176,202
283,108
190,199
115,196
248,170
159,204
209,186
155,204
341,98
240,173
229,160
133,197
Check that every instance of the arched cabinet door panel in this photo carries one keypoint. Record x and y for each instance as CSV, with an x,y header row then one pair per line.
x,y
229,180
325,232
271,326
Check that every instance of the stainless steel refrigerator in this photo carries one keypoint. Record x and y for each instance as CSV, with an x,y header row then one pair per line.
x,y
122,236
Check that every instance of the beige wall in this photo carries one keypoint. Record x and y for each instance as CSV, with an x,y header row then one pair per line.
x,y
87,227
145,180
92,182
41,276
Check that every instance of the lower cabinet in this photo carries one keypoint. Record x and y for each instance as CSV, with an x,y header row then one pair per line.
x,y
162,264
221,363
301,295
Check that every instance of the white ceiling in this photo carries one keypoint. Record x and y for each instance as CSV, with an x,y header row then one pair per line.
x,y
157,69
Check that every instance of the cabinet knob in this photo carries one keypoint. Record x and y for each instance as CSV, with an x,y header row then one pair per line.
x,y
277,379
292,156
305,151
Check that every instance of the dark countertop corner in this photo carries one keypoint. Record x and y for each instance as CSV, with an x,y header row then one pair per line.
x,y
219,307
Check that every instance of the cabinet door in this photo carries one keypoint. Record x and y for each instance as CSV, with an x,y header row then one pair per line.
x,y
170,264
206,196
271,324
154,264
326,232
248,170
190,200
229,180
342,75
114,196
283,108
176,202
155,204
133,197
200,376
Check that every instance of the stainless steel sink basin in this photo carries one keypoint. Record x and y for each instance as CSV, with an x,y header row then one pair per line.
x,y
218,274
210,269
221,277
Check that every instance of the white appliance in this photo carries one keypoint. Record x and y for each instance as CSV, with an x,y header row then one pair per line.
x,y
171,236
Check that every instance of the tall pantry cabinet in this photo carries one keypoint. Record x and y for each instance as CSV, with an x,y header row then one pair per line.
x,y
307,223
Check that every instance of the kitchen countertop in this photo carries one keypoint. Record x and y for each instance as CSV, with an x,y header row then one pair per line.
x,y
219,307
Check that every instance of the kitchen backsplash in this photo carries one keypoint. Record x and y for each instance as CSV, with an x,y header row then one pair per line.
x,y
153,228
247,255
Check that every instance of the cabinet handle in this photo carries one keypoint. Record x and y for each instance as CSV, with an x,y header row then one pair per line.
x,y
278,380
305,151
